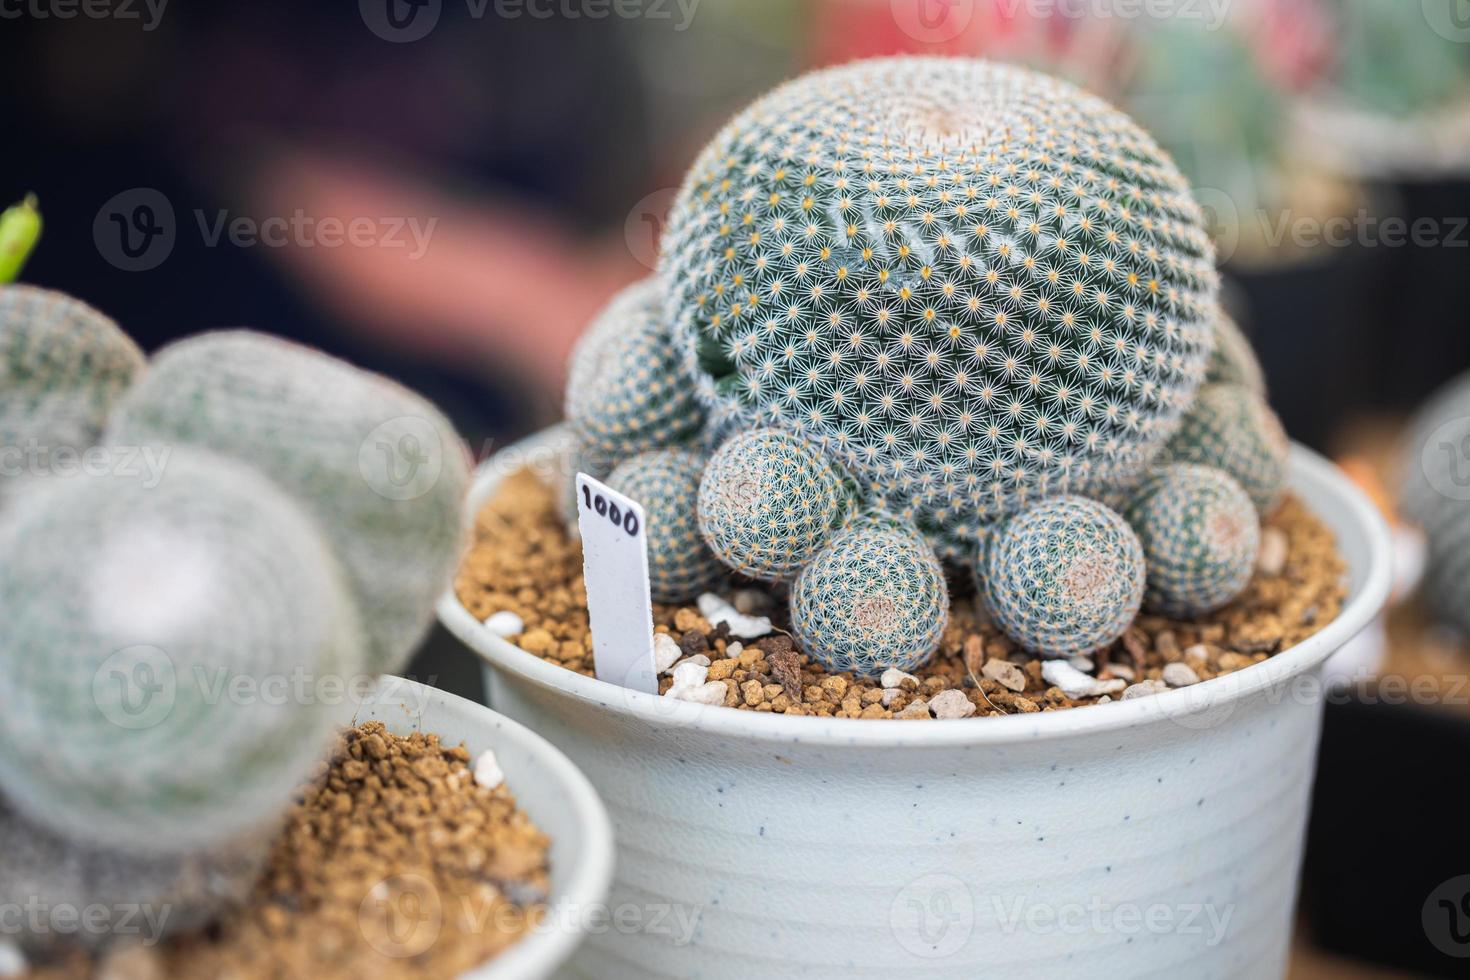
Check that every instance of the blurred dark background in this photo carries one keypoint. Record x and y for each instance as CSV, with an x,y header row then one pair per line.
x,y
507,165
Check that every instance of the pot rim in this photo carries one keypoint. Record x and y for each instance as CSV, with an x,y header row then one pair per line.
x,y
1308,469
539,953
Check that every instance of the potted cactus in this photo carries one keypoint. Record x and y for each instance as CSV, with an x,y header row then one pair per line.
x,y
256,535
971,440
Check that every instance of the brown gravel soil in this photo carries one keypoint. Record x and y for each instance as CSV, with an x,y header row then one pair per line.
x,y
523,561
394,863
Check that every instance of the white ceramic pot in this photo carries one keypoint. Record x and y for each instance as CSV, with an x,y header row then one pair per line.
x,y
1156,837
551,790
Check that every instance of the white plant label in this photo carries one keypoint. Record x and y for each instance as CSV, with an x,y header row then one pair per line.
x,y
615,566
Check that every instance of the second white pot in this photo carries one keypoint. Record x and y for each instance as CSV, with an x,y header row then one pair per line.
x,y
1158,837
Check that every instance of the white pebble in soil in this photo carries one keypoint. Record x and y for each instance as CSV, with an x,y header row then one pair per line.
x,y
487,770
691,673
1083,664
666,652
691,683
505,623
894,678
718,611
1075,684
1180,675
1144,688
1275,547
735,649
1006,674
915,709
951,704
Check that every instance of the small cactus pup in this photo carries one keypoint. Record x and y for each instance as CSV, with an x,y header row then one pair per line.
x,y
20,229
666,483
155,630
873,598
1200,535
768,500
1233,360
627,392
1436,496
63,366
980,283
1232,428
37,866
379,467
1064,577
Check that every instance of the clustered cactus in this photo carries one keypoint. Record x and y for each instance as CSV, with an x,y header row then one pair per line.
x,y
1233,360
1064,577
966,297
970,279
63,365
380,468
625,393
1200,537
767,501
872,599
1436,496
169,631
1232,428
666,483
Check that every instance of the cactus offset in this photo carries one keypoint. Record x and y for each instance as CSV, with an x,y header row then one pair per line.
x,y
627,392
1234,361
979,284
1063,577
1436,496
379,467
63,366
1232,428
666,483
767,501
1200,535
873,598
131,611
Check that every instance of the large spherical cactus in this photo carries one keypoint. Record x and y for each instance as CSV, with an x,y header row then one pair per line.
x,y
666,483
768,500
1064,577
62,367
1200,536
627,392
976,281
1232,428
172,893
1436,495
379,467
873,598
166,636
1233,360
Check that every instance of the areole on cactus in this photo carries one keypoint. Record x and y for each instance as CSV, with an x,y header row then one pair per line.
x,y
977,284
